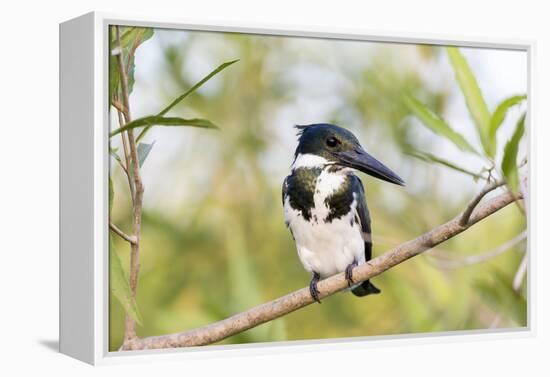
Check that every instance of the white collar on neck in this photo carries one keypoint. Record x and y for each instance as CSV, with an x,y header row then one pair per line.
x,y
310,161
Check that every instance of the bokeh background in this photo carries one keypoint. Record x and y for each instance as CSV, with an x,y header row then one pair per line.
x,y
214,241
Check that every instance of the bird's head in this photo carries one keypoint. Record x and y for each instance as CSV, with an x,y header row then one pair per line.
x,y
327,144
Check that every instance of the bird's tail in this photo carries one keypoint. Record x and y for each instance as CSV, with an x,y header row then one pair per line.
x,y
366,288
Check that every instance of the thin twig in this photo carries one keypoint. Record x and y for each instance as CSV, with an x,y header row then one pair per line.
x,y
516,286
479,258
117,105
487,189
121,233
124,136
520,274
130,323
122,166
274,309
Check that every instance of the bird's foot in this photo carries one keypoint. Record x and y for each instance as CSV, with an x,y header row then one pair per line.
x,y
349,273
313,291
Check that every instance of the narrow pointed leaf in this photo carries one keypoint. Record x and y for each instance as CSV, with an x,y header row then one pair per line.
x,y
428,157
113,153
188,92
134,36
472,94
509,161
498,117
155,120
114,77
196,86
143,150
131,38
118,283
436,124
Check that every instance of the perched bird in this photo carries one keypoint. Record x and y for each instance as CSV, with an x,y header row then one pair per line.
x,y
325,206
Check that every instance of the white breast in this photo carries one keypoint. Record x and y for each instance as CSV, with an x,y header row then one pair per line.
x,y
326,248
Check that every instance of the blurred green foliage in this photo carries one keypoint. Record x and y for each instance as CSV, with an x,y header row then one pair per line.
x,y
487,126
213,237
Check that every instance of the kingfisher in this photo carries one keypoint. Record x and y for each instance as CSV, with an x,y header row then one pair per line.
x,y
325,207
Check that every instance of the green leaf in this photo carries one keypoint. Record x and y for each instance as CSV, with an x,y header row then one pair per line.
x,y
111,195
114,77
509,161
118,283
135,38
196,86
498,117
428,157
131,38
113,153
472,94
501,297
436,124
191,90
155,120
143,150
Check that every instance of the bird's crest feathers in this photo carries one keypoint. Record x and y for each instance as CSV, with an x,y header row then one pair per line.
x,y
301,129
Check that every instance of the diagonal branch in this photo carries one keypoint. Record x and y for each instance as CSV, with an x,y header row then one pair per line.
x,y
274,309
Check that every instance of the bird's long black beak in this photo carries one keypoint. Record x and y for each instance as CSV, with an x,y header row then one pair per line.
x,y
361,160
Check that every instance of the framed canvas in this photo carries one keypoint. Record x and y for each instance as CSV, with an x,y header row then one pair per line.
x,y
219,182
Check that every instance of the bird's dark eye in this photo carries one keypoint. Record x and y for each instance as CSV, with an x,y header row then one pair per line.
x,y
332,142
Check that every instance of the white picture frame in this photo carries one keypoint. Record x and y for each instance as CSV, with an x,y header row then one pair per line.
x,y
84,191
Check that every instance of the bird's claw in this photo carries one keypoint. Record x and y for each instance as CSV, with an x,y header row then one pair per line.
x,y
313,290
349,273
